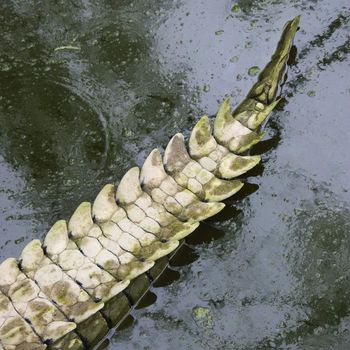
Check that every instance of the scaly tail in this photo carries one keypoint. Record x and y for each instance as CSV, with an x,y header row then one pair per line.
x,y
67,292
261,99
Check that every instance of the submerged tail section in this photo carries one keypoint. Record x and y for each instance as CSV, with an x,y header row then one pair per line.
x,y
69,291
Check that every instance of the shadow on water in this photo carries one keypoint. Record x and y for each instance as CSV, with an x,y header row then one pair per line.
x,y
204,234
167,278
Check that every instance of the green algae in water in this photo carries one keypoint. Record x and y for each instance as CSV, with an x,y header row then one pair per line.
x,y
203,316
254,23
234,59
253,71
235,8
19,240
206,88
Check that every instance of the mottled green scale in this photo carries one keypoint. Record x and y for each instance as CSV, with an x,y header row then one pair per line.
x,y
15,332
97,282
28,300
177,200
151,216
216,158
102,250
192,175
57,285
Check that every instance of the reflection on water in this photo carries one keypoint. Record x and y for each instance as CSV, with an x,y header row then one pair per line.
x,y
89,87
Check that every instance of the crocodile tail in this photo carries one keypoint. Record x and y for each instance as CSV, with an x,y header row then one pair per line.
x,y
67,292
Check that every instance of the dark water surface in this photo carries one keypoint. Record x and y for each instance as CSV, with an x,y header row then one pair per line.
x,y
89,87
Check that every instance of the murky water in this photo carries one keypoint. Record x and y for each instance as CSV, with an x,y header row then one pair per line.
x,y
88,88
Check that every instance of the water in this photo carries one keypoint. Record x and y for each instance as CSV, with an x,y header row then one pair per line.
x,y
88,88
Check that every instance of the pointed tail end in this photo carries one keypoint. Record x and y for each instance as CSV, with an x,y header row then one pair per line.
x,y
288,34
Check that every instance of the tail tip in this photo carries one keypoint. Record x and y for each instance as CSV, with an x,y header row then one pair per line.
x,y
296,21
